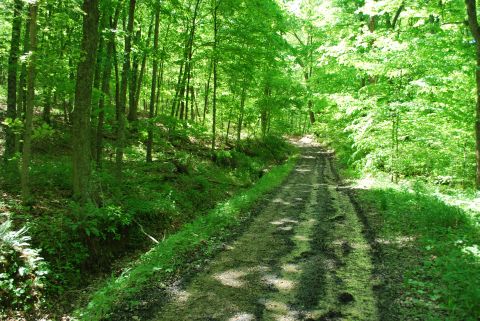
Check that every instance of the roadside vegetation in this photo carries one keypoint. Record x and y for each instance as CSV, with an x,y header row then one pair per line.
x,y
78,245
427,255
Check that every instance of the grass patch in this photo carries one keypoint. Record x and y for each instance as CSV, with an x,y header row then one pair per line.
x,y
430,259
164,259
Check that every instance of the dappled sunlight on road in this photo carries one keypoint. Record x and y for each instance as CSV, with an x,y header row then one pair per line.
x,y
281,201
231,278
279,283
242,317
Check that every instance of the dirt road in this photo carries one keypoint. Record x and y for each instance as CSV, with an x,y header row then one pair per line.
x,y
304,257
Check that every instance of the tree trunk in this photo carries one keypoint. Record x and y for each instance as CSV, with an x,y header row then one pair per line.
x,y
97,84
475,29
372,23
12,77
47,109
107,73
132,107
264,113
397,15
159,88
207,92
162,72
177,88
215,76
22,91
194,114
187,90
181,103
310,112
121,126
116,69
139,82
189,60
30,103
180,88
154,86
242,113
83,100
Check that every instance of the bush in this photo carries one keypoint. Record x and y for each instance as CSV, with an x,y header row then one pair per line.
x,y
22,272
101,222
271,148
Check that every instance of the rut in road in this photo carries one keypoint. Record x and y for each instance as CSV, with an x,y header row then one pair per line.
x,y
303,257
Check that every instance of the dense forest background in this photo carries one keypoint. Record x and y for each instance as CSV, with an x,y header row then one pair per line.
x,y
123,120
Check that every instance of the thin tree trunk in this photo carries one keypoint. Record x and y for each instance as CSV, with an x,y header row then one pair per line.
x,y
97,84
372,23
311,115
181,103
22,91
162,72
121,126
180,89
207,91
138,90
83,100
242,112
475,29
177,88
132,107
187,89
308,72
195,113
154,85
12,77
71,97
107,73
47,109
264,113
215,76
190,55
30,103
159,89
182,106
117,82
397,15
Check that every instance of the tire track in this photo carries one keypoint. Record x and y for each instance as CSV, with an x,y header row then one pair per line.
x,y
304,257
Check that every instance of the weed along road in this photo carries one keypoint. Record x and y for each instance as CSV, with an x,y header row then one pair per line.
x,y
304,257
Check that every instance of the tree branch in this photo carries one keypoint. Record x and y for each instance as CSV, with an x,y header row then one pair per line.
x,y
397,15
298,38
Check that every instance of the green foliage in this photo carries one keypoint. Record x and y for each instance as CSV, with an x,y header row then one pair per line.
x,y
15,125
390,96
396,98
51,175
22,272
101,222
42,132
269,148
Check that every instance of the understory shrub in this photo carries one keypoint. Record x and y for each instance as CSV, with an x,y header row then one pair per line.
x,y
22,272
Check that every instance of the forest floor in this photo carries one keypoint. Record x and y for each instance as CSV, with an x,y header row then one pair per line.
x,y
305,256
